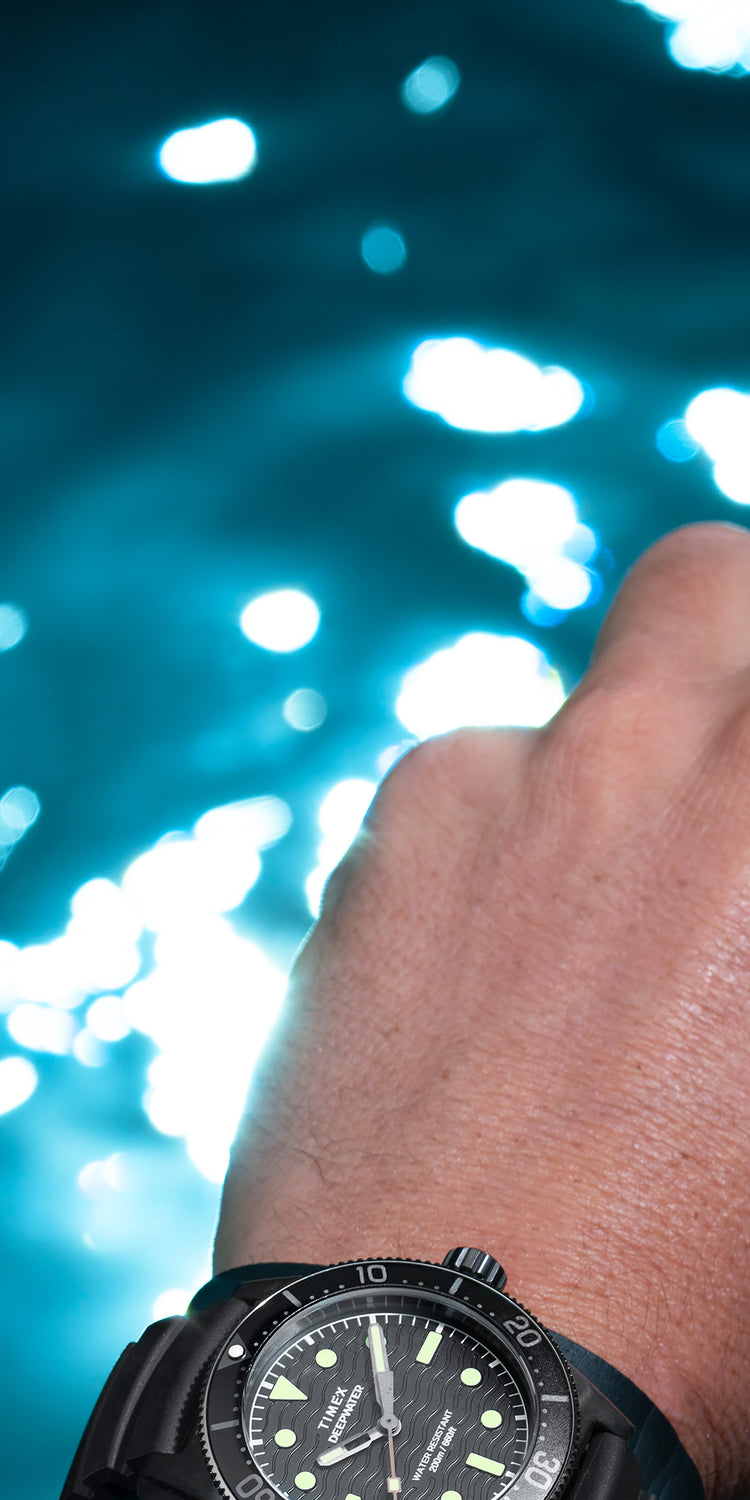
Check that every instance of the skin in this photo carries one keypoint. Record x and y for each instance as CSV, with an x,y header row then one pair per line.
x,y
522,1021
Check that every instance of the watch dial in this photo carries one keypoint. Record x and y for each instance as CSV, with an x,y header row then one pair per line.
x,y
465,1415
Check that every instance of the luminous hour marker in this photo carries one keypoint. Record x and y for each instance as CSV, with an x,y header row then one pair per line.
x,y
471,1376
285,1437
487,1465
305,1480
353,1497
285,1391
491,1418
429,1346
450,1495
326,1358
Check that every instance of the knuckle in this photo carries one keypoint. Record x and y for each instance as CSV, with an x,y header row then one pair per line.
x,y
444,774
609,730
701,539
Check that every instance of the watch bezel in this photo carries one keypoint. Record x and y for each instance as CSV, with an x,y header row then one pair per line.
x,y
545,1368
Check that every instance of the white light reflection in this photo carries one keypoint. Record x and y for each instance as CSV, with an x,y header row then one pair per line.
x,y
8,974
181,877
719,421
484,679
482,389
13,626
339,818
208,1001
18,1079
107,1019
710,34
209,1005
533,526
170,1304
220,151
284,620
41,1028
256,822
102,937
430,86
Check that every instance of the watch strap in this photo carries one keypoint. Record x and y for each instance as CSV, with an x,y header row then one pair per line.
x,y
667,1468
144,1405
228,1283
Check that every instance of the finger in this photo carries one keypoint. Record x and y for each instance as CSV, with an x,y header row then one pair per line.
x,y
683,612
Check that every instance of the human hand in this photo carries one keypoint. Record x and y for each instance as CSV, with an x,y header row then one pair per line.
x,y
522,1021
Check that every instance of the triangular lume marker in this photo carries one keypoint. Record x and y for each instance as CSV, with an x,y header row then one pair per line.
x,y
285,1391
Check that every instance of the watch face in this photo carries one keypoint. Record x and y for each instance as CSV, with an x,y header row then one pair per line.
x,y
388,1379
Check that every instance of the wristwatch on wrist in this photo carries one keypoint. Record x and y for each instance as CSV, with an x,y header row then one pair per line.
x,y
370,1380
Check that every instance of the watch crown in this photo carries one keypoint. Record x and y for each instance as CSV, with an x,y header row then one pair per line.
x,y
479,1264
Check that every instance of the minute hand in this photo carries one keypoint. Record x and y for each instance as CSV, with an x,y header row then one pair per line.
x,y
383,1377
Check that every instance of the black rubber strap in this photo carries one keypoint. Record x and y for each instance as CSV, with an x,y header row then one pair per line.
x,y
144,1407
227,1283
668,1470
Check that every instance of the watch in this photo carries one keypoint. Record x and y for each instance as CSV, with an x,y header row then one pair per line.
x,y
369,1380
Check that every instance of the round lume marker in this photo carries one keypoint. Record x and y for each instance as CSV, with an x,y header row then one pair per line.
x,y
326,1358
491,1418
471,1376
285,1438
450,1495
305,1480
236,1351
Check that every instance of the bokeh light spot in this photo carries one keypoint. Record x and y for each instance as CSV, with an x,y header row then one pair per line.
x,y
284,620
41,1028
13,626
305,710
675,443
255,822
89,1049
19,808
18,1079
483,679
100,1178
532,525
482,389
719,421
181,877
220,151
107,1019
383,249
430,86
706,34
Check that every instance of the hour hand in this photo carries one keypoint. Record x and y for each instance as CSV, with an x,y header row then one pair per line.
x,y
335,1455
